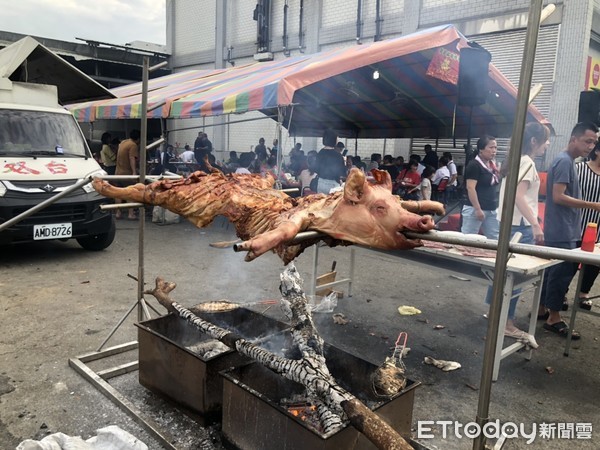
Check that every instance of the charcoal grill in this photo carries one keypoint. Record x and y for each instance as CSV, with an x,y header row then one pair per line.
x,y
167,367
253,417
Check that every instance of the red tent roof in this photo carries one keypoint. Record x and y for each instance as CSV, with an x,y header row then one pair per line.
x,y
414,96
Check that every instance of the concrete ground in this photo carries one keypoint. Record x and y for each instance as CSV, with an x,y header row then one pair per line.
x,y
58,301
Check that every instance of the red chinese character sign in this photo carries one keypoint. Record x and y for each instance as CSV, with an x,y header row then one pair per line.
x,y
20,168
444,65
55,167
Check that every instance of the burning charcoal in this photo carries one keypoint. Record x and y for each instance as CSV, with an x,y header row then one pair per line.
x,y
307,413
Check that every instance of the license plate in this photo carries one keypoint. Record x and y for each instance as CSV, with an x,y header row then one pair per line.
x,y
52,231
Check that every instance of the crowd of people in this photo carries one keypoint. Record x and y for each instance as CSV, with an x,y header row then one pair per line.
x,y
572,201
312,172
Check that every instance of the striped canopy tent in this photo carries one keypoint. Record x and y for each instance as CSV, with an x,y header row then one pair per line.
x,y
160,82
415,94
163,91
127,103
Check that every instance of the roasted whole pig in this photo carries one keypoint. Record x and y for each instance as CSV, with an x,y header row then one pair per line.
x,y
267,219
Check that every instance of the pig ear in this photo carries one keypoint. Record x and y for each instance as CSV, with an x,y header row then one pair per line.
x,y
383,177
355,185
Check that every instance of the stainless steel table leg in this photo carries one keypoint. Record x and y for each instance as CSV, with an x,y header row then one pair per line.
x,y
352,260
506,299
315,262
535,306
574,310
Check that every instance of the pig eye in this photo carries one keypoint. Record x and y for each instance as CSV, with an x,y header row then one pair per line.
x,y
380,209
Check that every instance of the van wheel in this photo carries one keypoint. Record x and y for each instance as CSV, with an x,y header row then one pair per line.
x,y
98,242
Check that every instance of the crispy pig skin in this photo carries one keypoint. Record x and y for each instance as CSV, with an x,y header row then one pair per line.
x,y
266,219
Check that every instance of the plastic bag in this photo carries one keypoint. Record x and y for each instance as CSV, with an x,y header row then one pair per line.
x,y
162,216
323,304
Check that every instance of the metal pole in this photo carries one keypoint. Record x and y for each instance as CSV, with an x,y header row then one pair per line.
x,y
533,25
280,117
142,210
458,239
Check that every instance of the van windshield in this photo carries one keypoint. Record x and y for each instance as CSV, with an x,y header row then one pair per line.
x,y
39,133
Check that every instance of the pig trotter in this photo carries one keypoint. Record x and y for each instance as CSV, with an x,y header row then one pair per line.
x,y
423,206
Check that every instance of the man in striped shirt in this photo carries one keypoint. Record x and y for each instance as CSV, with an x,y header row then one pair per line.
x,y
588,173
562,223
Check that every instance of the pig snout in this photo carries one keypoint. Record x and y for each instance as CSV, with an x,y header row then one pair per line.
x,y
420,223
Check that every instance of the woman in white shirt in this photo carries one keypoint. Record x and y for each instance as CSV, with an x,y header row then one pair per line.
x,y
525,215
442,172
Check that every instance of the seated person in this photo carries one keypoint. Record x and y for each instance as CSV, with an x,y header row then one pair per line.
x,y
279,175
441,173
388,165
408,182
233,162
246,159
188,155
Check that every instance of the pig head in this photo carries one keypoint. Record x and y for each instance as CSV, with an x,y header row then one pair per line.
x,y
364,213
369,214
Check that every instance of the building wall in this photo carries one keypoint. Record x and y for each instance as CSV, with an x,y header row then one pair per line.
x,y
573,48
435,12
333,23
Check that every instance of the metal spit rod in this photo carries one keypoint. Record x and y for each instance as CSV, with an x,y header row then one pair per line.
x,y
488,244
45,203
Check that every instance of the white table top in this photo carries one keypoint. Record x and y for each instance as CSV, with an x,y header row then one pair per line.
x,y
521,264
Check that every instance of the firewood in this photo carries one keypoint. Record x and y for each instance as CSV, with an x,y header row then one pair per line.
x,y
333,402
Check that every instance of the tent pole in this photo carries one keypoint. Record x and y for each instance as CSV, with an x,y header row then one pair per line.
x,y
469,126
280,116
533,25
142,172
228,132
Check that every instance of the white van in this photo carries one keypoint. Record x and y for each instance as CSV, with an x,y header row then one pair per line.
x,y
43,152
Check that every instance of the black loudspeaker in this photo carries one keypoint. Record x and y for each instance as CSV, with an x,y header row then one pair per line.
x,y
473,76
589,107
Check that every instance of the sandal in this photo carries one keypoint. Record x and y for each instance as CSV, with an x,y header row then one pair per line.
x,y
585,303
562,329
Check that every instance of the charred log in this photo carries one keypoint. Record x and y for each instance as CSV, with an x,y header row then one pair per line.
x,y
377,430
